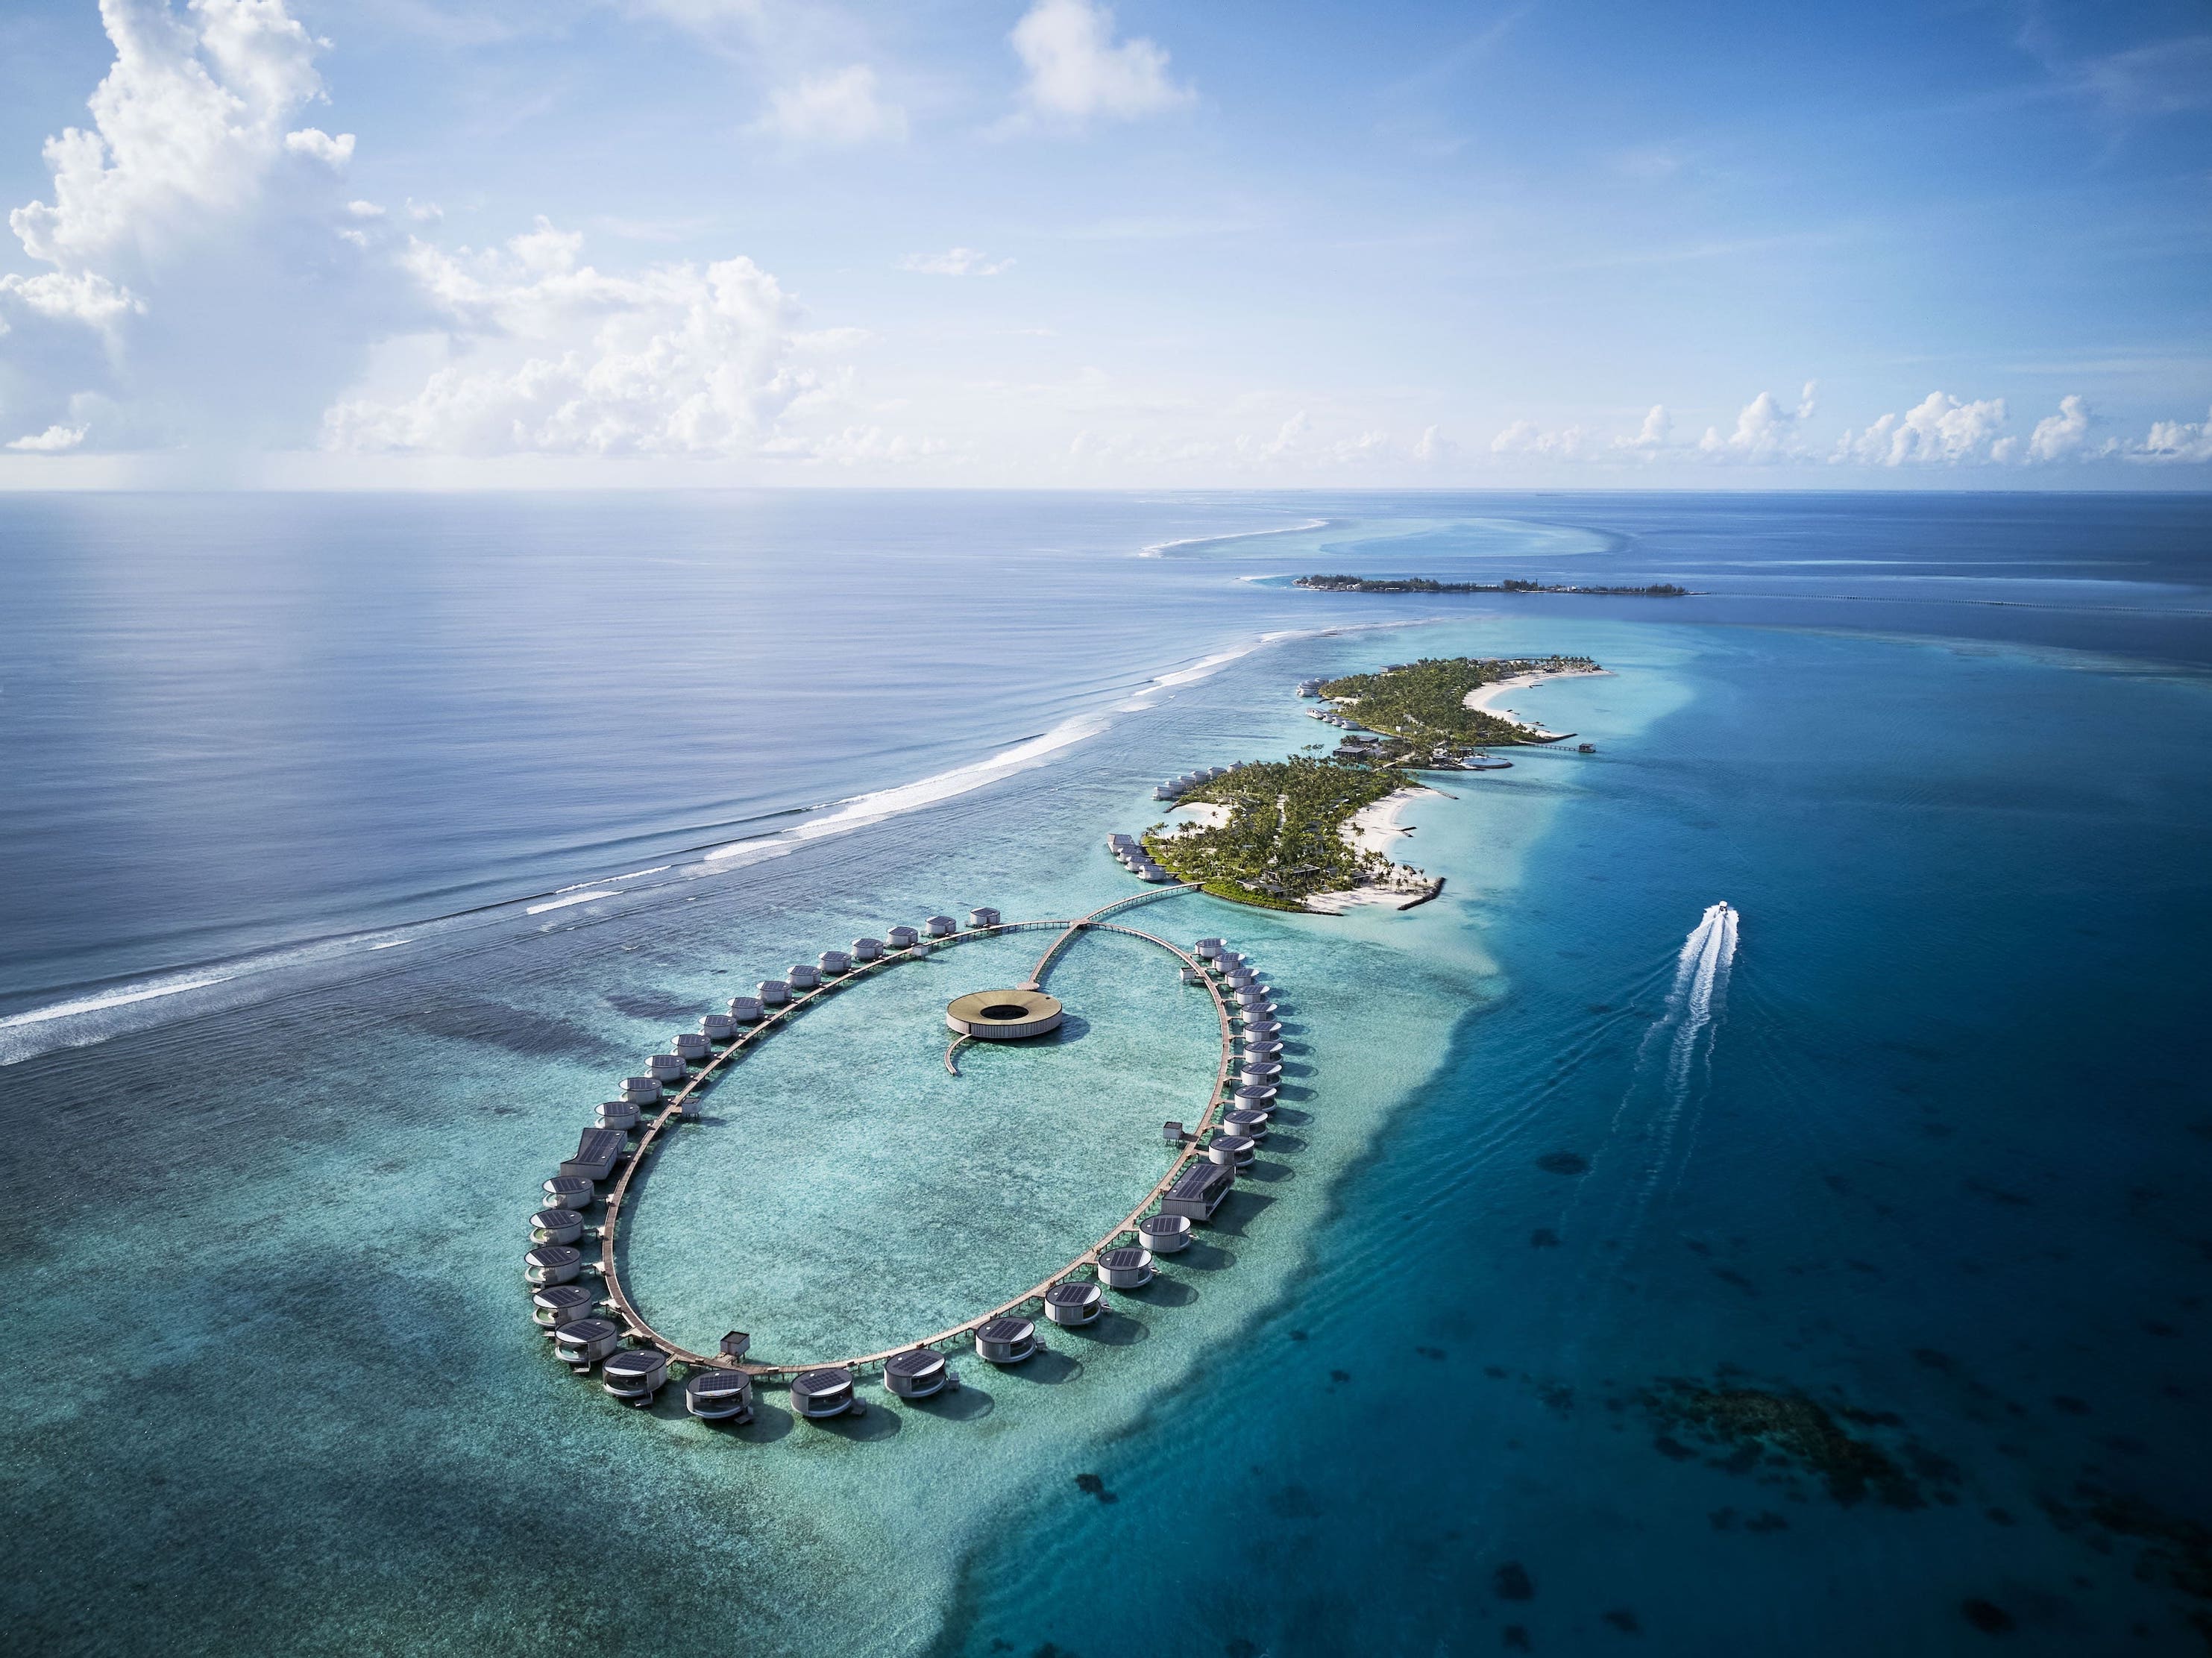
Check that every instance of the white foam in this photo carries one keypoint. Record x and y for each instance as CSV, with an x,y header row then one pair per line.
x,y
145,992
1701,992
872,808
563,903
1207,666
1160,549
391,943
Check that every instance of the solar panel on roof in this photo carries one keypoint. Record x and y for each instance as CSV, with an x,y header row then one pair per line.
x,y
1199,1181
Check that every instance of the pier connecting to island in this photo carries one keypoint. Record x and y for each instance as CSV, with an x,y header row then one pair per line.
x,y
601,1325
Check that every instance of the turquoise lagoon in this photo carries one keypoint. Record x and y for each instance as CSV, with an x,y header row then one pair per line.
x,y
1568,1188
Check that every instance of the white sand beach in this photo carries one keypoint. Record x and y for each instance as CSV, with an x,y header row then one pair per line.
x,y
1375,829
1203,813
1484,697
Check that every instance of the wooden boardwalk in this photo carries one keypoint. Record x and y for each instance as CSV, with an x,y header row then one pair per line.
x,y
674,1111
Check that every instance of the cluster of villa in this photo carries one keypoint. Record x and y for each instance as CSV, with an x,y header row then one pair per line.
x,y
1129,852
575,1314
594,1324
1175,788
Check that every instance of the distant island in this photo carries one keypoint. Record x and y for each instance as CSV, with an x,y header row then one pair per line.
x,y
1431,715
1421,584
1311,832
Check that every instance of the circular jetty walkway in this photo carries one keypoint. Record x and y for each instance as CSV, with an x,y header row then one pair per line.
x,y
778,1018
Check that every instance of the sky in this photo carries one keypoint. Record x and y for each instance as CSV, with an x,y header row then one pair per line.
x,y
450,244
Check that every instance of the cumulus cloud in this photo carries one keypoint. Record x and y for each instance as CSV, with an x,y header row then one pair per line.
x,y
2173,440
51,441
86,297
1433,447
839,110
555,357
315,142
1765,431
1940,430
1077,71
2062,436
955,261
1525,437
185,124
198,288
1651,437
213,284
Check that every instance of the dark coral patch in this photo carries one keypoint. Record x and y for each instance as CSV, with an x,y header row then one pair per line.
x,y
1986,1616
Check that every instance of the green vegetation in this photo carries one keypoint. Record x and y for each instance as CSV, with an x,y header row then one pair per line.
x,y
1420,707
1283,841
1421,584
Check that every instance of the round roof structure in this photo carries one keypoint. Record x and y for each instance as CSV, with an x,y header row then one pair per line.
x,y
999,1016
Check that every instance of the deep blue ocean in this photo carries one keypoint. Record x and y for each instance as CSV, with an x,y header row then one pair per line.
x,y
1826,1274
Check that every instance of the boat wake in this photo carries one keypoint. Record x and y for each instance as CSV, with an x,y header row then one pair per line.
x,y
1673,1062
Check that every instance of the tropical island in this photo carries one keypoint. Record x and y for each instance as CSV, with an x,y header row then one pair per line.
x,y
1311,832
1274,833
1434,714
1421,584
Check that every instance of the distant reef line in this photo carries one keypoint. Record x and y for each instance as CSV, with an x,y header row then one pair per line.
x,y
1421,584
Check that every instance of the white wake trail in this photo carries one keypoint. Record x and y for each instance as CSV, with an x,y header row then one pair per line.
x,y
1702,984
1686,1028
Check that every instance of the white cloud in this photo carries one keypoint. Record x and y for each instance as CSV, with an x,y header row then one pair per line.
x,y
199,290
1525,437
956,262
2059,436
186,123
846,338
1765,431
2173,439
856,446
314,141
1651,437
554,356
86,297
1289,437
839,110
1077,71
51,441
1939,431
364,209
1433,447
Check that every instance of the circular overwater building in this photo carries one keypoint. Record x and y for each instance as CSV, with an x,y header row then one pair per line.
x,y
1003,1016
